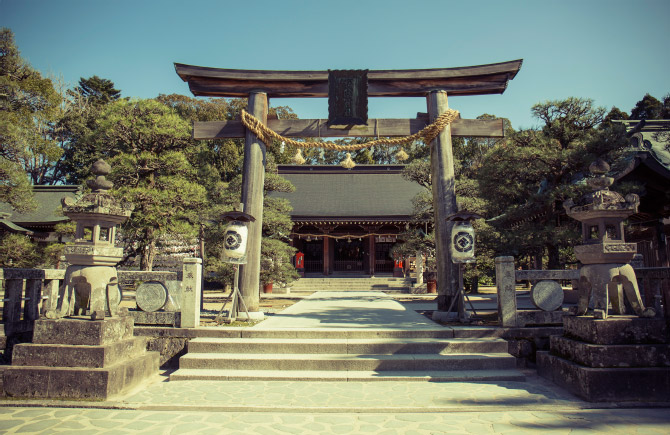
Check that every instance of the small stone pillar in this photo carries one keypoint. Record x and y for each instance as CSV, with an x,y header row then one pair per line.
x,y
506,285
191,291
419,268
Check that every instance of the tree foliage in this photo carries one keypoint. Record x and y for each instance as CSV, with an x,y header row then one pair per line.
x,y
29,106
647,108
526,179
147,142
97,91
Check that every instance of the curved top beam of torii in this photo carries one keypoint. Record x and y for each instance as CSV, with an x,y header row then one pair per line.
x,y
469,80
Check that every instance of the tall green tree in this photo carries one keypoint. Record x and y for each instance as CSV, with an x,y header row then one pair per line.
x,y
97,91
150,163
647,108
29,107
85,103
526,179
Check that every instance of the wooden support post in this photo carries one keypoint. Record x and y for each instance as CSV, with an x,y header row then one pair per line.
x,y
373,255
33,292
444,202
326,256
253,178
11,312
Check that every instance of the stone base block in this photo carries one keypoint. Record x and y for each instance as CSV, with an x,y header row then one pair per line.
x,y
621,355
617,330
448,316
606,384
77,382
64,355
80,331
163,318
536,317
253,315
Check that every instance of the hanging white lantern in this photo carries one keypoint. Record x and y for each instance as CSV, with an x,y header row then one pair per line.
x,y
235,240
462,242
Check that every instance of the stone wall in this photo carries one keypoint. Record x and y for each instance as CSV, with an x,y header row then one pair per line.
x,y
524,343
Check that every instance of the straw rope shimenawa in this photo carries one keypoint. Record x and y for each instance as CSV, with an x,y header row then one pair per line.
x,y
427,134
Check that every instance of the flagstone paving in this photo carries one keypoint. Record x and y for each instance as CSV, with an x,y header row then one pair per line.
x,y
72,421
392,407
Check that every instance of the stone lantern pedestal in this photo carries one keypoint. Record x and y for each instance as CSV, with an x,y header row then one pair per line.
x,y
606,273
605,357
85,349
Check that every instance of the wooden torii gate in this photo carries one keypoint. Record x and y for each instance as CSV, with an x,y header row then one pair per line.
x,y
434,84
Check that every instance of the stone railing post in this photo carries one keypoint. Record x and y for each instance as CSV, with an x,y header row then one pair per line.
x,y
191,290
53,279
506,285
419,268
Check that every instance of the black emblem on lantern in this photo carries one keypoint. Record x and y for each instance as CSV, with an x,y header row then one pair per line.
x,y
463,242
232,241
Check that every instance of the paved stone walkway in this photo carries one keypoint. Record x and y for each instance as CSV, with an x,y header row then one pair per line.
x,y
280,407
72,421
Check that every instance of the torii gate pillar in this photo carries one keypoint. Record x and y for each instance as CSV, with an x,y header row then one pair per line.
x,y
252,199
444,202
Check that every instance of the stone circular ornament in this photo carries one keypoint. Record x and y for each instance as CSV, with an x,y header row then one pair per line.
x,y
151,296
547,295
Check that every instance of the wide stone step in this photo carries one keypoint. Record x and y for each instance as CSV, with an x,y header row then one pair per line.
x,y
79,382
393,285
63,355
335,362
325,333
347,288
347,376
347,346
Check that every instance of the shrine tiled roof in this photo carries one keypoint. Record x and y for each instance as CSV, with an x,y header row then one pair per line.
x,y
48,199
364,192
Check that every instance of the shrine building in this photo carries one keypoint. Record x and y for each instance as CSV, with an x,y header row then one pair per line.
x,y
345,221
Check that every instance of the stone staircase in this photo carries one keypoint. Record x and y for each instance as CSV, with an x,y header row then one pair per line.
x,y
440,355
344,283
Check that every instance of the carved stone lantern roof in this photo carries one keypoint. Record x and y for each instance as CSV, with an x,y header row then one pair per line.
x,y
96,214
602,213
97,204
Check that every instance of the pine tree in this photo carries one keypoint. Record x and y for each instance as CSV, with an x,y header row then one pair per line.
x,y
152,171
29,109
97,90
526,179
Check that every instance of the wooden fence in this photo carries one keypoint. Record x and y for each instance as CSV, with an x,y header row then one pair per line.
x,y
29,293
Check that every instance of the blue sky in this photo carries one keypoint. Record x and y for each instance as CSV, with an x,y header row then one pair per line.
x,y
611,51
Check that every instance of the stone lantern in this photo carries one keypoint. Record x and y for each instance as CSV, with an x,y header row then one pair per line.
x,y
604,253
91,281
